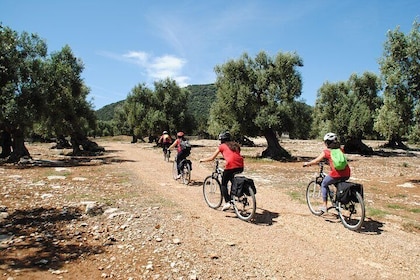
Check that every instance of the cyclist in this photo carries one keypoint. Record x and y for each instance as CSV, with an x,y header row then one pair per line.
x,y
335,176
231,152
182,153
165,140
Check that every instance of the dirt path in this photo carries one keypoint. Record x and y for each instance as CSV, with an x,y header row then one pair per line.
x,y
284,242
170,233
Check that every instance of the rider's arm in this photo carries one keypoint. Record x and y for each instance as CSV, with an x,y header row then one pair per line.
x,y
212,157
316,160
173,144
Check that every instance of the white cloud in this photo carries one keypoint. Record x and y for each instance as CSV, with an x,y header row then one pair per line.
x,y
159,68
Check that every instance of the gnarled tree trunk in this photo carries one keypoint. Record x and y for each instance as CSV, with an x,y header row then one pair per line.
x,y
6,143
396,143
274,150
356,146
78,140
19,148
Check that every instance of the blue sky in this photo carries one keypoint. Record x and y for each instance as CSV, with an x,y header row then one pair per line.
x,y
129,42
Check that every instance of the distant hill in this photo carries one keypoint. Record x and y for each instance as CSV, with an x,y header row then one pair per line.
x,y
201,98
106,113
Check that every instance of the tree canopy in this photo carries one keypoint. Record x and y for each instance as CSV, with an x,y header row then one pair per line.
x,y
149,112
400,72
253,97
348,108
40,93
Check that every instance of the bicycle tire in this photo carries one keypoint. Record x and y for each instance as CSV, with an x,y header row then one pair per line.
x,y
212,192
167,155
175,170
186,173
314,198
352,214
245,206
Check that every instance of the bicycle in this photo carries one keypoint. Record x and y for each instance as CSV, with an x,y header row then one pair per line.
x,y
351,212
245,205
186,167
166,154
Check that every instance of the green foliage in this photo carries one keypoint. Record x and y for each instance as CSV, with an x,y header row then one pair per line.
x,y
254,98
348,108
253,94
148,112
198,105
21,77
106,113
41,94
400,69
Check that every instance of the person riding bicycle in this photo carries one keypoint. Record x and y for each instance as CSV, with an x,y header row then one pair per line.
x,y
335,176
165,140
182,153
231,152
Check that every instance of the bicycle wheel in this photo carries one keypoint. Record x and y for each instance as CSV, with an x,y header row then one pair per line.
x,y
212,192
175,170
314,198
186,173
245,205
352,214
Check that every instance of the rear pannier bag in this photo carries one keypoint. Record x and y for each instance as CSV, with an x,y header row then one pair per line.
x,y
346,191
241,185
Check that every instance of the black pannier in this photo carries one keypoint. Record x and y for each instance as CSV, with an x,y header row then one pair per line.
x,y
241,185
346,191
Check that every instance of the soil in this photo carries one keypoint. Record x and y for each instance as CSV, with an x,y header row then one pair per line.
x,y
121,215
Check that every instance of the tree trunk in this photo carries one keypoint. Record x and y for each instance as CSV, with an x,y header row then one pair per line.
x,y
6,143
274,150
19,148
89,147
396,143
356,146
62,143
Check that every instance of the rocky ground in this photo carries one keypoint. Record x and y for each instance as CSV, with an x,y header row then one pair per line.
x,y
122,216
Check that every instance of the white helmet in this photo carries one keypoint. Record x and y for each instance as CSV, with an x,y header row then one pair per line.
x,y
165,132
330,137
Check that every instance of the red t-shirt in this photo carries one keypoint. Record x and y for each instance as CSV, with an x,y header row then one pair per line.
x,y
178,145
233,159
336,173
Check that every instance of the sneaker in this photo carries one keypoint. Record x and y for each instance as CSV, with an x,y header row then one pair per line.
x,y
323,209
178,177
226,206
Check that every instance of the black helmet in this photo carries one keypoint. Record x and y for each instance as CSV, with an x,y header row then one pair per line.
x,y
224,136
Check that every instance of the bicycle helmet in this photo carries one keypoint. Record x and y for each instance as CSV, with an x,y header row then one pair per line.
x,y
224,136
180,134
165,132
332,137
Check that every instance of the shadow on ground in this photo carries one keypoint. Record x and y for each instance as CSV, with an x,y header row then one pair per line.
x,y
40,238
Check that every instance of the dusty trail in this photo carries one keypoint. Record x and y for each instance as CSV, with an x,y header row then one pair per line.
x,y
164,229
285,241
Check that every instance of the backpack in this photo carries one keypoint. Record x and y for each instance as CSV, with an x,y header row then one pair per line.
x,y
185,146
338,159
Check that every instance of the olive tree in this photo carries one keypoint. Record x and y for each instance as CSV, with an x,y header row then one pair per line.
x,y
253,98
149,112
400,71
21,61
348,109
41,93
